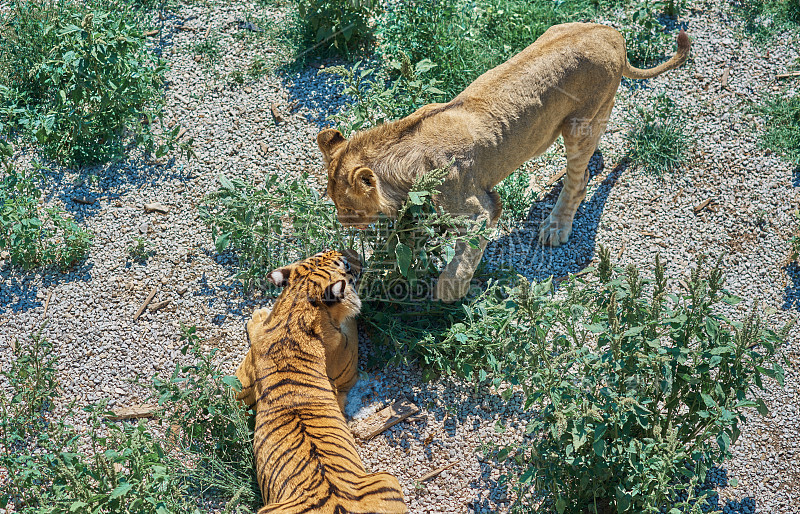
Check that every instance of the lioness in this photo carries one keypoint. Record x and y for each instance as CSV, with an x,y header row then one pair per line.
x,y
564,83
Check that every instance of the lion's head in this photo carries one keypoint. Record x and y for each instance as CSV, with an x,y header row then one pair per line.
x,y
354,188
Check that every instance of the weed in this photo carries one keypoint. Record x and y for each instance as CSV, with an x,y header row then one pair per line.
x,y
376,99
765,18
658,141
633,388
208,50
271,226
794,240
34,236
517,196
129,468
210,426
140,250
645,39
82,82
343,25
783,126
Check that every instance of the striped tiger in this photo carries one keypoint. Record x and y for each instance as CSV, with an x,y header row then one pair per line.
x,y
306,459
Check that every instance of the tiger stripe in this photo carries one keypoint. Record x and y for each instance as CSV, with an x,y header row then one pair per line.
x,y
302,360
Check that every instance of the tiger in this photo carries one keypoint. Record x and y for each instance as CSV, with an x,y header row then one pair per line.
x,y
306,458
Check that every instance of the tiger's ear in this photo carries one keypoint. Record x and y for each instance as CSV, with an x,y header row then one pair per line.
x,y
364,181
328,141
334,292
279,277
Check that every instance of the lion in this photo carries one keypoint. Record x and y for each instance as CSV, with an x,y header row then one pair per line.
x,y
562,84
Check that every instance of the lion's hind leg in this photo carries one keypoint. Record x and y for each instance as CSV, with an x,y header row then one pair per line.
x,y
581,136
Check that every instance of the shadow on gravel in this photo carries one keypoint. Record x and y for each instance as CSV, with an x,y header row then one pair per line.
x,y
320,93
19,289
521,248
791,294
468,408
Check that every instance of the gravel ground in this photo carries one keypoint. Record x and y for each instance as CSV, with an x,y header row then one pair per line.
x,y
90,310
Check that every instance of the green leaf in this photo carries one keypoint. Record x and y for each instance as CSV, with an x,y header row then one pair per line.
x,y
561,505
417,197
77,505
599,447
121,490
226,183
731,300
404,256
222,242
633,331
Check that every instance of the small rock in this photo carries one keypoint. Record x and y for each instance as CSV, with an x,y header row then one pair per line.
x,y
143,228
156,207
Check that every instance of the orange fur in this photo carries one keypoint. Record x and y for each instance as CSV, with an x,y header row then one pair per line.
x,y
306,457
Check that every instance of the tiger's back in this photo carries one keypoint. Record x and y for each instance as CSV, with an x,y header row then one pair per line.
x,y
306,458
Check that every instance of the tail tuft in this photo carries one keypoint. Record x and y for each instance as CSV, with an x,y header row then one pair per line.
x,y
683,41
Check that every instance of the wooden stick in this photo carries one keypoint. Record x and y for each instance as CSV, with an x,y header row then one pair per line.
x,y
555,178
385,419
621,249
47,303
787,75
144,410
275,114
436,472
146,302
702,205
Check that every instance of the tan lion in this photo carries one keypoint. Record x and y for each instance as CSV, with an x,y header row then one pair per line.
x,y
564,83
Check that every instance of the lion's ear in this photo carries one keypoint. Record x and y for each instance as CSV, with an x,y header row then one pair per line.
x,y
328,141
364,181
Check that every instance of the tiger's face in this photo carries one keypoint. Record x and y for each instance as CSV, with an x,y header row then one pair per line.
x,y
326,280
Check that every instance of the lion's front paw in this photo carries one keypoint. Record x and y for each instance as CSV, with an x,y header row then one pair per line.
x,y
554,232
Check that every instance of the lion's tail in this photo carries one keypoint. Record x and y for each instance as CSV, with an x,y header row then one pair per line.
x,y
676,60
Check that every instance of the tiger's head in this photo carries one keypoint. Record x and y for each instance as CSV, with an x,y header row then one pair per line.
x,y
326,280
354,188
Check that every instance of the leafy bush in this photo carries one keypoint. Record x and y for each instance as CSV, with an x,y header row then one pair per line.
x,y
764,18
783,126
343,25
517,196
271,226
376,99
638,390
657,141
33,236
129,468
646,41
82,82
209,426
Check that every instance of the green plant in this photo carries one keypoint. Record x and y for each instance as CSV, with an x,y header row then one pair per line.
x,y
35,236
271,226
517,195
657,141
343,25
128,468
210,426
81,80
376,99
646,41
638,391
765,18
140,249
467,38
783,126
208,50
